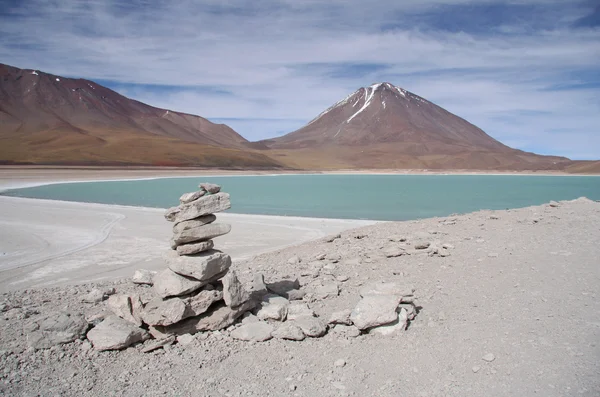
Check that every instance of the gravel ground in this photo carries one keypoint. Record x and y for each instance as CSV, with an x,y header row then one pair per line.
x,y
512,311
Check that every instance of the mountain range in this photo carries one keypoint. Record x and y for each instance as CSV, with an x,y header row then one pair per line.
x,y
49,119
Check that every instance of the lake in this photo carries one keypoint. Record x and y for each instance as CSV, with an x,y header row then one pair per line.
x,y
376,197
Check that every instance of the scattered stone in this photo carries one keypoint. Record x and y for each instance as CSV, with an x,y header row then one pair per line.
x,y
488,357
158,344
294,260
170,311
447,246
168,283
189,197
210,187
331,239
341,317
143,276
328,290
422,245
254,332
346,331
392,252
299,309
185,339
395,326
288,331
273,307
374,310
114,333
199,234
234,292
339,363
55,329
295,295
194,248
311,326
95,296
320,257
204,267
128,307
476,369
203,206
553,204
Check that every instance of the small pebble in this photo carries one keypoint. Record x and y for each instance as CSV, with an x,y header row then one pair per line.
x,y
476,369
488,357
340,363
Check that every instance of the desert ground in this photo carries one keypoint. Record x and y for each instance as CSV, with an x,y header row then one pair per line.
x,y
511,308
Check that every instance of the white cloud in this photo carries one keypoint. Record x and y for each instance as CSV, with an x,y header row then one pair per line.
x,y
268,55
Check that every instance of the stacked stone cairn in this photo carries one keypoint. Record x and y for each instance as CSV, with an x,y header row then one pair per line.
x,y
198,292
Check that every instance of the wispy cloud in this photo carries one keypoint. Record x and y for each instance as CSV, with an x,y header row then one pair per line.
x,y
524,71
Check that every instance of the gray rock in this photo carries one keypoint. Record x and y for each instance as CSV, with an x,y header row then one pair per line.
x,y
168,283
311,326
203,267
329,290
299,309
114,333
143,276
200,207
189,197
254,332
392,252
184,226
282,287
332,238
201,302
295,295
200,234
194,248
218,317
257,287
397,238
488,357
185,339
288,331
339,363
210,187
341,317
447,246
273,307
411,311
234,293
56,329
158,344
173,310
128,307
553,204
94,296
346,331
375,310
422,245
395,326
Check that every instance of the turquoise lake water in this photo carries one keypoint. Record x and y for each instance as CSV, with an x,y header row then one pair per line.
x,y
377,197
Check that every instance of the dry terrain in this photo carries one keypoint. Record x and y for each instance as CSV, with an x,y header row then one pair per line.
x,y
511,309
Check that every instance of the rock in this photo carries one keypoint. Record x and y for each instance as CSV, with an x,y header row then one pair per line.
x,y
185,226
311,326
194,248
173,310
210,187
158,344
346,331
282,287
422,245
341,317
94,296
331,239
185,339
128,307
328,290
320,257
218,317
294,260
273,307
234,292
411,311
257,288
395,326
168,283
375,310
299,309
392,252
189,197
143,276
114,333
339,363
295,295
254,332
447,246
56,329
443,253
386,288
488,357
203,206
553,204
333,257
288,331
476,369
204,267
200,234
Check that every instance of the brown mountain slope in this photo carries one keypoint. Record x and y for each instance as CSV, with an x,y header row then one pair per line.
x,y
51,119
383,126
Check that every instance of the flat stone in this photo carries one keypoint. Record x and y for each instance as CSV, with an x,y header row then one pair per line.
x,y
374,310
394,327
143,276
341,317
299,309
553,204
189,197
346,331
234,293
218,317
185,339
273,307
128,307
114,333
311,326
392,252
195,248
199,234
422,245
411,311
203,267
288,331
168,283
257,288
202,301
173,310
184,226
94,296
56,329
203,206
210,187
253,332
158,344
329,290
488,357
386,288
295,295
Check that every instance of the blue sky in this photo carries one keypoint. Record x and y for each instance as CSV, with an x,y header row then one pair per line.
x,y
526,72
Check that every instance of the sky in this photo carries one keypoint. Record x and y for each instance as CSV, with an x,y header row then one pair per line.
x,y
526,72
